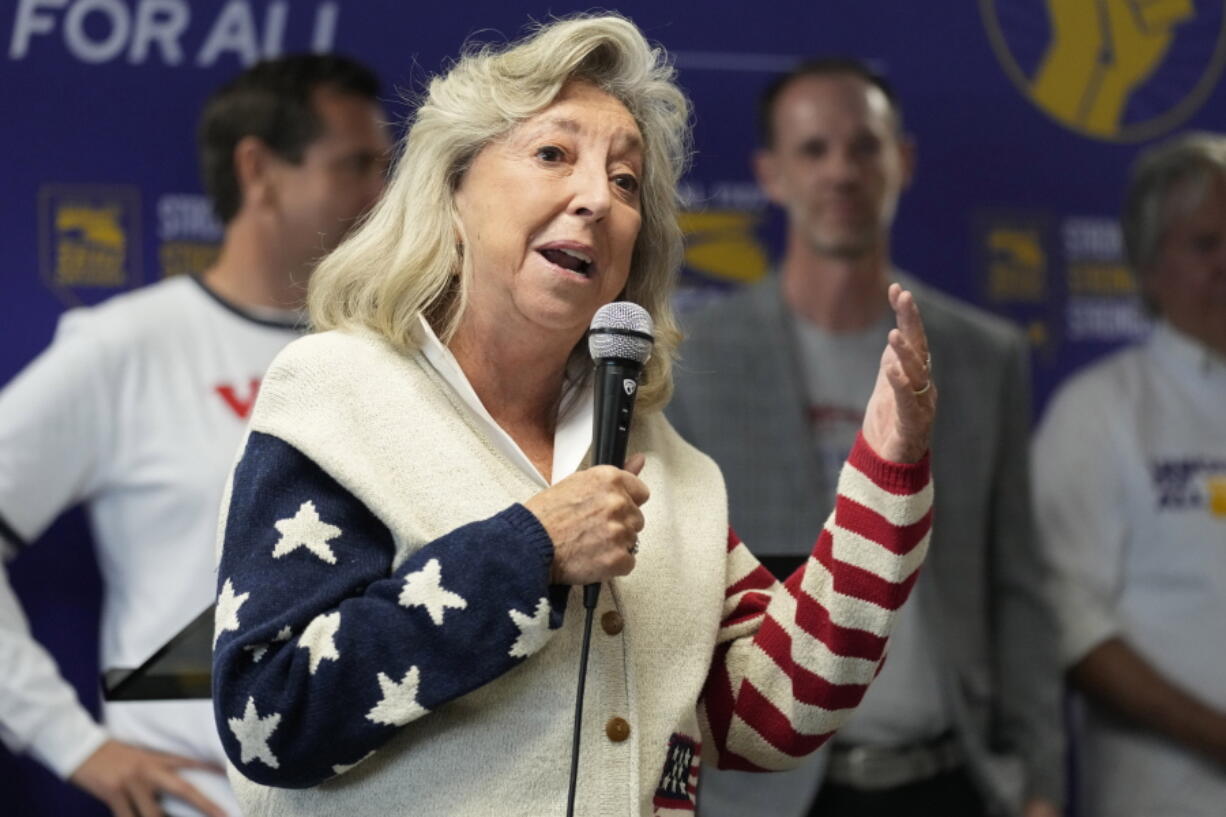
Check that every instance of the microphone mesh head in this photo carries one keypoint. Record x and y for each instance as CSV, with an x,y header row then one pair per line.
x,y
616,322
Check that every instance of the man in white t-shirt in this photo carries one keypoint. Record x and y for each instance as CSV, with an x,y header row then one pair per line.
x,y
137,408
1130,488
964,716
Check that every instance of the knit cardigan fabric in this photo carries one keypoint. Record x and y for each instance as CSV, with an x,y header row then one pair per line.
x,y
387,640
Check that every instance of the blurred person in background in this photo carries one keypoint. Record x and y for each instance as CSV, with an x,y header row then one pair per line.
x,y
1130,488
964,718
136,410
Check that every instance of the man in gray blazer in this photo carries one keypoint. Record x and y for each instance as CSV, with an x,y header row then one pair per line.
x,y
964,718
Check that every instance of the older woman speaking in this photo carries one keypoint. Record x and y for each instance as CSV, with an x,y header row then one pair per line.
x,y
411,516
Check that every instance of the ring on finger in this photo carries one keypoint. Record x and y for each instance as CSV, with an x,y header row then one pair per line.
x,y
918,392
634,549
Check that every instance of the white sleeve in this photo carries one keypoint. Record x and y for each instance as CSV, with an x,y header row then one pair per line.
x,y
54,444
39,711
1079,516
56,430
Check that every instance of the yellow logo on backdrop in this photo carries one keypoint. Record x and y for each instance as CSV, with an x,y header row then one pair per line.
x,y
1099,67
722,245
90,246
1217,495
89,237
1017,270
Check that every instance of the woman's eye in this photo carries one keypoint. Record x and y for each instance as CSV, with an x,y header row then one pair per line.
x,y
549,153
627,182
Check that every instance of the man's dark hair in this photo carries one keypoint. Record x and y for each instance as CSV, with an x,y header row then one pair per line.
x,y
271,101
822,67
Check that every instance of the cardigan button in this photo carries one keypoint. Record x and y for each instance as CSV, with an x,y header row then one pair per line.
x,y
612,622
617,729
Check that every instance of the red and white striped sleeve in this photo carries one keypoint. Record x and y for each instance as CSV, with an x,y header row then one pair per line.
x,y
793,659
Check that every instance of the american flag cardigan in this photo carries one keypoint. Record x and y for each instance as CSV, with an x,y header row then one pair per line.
x,y
387,640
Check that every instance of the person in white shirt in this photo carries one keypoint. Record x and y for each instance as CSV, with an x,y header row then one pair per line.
x,y
136,410
1130,486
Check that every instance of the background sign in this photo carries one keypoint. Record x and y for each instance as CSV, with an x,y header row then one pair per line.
x,y
1026,114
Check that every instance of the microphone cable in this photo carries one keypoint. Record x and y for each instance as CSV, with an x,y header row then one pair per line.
x,y
591,593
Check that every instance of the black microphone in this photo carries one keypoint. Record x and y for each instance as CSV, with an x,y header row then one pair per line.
x,y
620,343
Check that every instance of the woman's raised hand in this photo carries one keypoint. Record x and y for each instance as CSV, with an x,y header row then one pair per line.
x,y
900,412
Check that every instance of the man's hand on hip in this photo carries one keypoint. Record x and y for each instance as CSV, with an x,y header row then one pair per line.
x,y
129,780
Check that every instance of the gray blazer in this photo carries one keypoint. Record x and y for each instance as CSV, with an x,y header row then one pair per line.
x,y
739,398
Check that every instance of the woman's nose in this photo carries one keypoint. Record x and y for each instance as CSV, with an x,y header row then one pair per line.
x,y
591,197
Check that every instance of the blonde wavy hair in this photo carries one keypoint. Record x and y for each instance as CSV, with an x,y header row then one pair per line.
x,y
404,260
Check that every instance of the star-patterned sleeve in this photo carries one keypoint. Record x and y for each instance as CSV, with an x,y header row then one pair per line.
x,y
794,659
322,650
